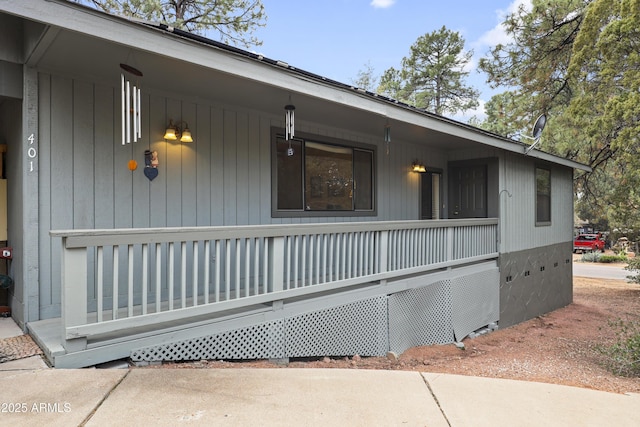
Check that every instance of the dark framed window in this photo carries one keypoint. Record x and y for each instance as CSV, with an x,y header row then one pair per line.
x,y
321,176
543,196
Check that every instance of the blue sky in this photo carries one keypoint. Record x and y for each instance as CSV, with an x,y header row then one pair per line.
x,y
338,38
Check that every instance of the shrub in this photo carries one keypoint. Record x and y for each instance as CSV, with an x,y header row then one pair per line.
x,y
620,251
612,258
634,267
591,256
623,357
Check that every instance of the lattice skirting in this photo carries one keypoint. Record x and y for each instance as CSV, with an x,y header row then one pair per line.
x,y
421,317
437,313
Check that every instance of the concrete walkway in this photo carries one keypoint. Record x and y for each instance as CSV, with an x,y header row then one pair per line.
x,y
35,395
297,397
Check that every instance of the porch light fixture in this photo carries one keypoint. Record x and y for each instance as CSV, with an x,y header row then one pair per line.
x,y
416,166
173,132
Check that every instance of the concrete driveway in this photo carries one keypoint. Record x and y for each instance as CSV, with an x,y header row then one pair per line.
x,y
600,271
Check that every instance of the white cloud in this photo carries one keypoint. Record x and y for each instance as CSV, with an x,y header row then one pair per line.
x,y
488,40
382,4
470,66
479,113
498,35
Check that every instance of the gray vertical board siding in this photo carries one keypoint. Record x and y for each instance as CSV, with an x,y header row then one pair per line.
x,y
519,206
140,215
399,192
188,171
217,172
399,187
83,165
562,200
83,155
202,148
382,180
158,117
11,82
173,160
123,180
262,173
104,158
242,169
11,30
141,211
264,176
172,182
158,122
223,178
253,169
107,135
188,174
229,168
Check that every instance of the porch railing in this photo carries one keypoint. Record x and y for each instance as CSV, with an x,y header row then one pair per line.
x,y
121,279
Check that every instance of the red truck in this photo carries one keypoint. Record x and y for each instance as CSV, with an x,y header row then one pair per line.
x,y
588,243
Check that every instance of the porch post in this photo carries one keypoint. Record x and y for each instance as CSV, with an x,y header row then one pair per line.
x,y
26,239
73,294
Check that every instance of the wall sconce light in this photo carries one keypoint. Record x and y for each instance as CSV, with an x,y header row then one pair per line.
x,y
416,166
174,132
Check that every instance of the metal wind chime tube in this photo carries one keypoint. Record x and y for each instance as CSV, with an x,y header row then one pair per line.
x,y
131,105
123,107
134,92
289,131
128,109
387,136
290,121
139,116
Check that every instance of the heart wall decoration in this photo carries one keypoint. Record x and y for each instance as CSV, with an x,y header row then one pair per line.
x,y
151,164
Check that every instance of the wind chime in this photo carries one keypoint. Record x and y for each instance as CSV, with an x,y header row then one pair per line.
x,y
289,128
131,105
387,136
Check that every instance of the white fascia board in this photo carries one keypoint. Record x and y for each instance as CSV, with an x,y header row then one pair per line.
x,y
558,160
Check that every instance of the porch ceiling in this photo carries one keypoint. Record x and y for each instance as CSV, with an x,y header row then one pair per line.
x,y
83,56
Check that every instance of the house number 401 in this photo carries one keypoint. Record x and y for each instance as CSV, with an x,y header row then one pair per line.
x,y
32,152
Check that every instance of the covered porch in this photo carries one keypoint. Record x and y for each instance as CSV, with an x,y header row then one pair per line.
x,y
127,291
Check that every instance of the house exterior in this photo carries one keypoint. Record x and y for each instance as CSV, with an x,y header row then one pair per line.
x,y
250,242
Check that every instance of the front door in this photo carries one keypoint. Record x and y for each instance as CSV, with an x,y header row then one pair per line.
x,y
468,191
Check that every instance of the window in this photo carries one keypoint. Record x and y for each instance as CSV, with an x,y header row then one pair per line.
x,y
317,176
543,196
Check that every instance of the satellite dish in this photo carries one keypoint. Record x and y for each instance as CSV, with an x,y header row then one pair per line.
x,y
539,126
537,132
